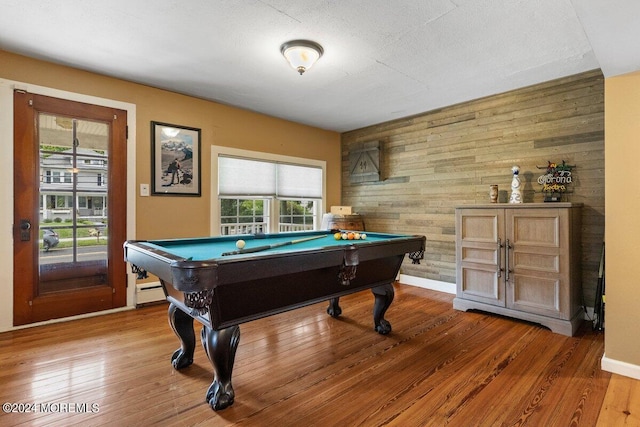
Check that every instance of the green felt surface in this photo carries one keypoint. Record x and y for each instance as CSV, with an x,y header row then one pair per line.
x,y
213,247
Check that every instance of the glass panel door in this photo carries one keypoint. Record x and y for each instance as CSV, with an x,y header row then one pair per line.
x,y
70,205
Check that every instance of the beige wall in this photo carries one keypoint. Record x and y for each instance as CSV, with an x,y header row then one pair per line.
x,y
622,236
220,125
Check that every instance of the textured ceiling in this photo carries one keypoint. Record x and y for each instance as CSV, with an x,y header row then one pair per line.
x,y
383,60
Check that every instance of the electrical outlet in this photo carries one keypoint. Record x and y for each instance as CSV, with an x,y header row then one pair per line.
x,y
144,190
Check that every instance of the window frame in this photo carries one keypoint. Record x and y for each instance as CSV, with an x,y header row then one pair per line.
x,y
274,214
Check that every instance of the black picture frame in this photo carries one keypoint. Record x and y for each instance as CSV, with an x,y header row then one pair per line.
x,y
175,160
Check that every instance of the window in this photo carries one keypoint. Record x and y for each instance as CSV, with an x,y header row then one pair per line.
x,y
297,215
257,192
64,202
58,177
243,216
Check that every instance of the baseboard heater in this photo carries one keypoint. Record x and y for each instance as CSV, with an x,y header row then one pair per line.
x,y
149,293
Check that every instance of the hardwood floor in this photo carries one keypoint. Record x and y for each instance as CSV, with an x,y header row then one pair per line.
x,y
438,367
621,405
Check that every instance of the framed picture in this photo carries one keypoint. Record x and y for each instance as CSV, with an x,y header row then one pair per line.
x,y
175,163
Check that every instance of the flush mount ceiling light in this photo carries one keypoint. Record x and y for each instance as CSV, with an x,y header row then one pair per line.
x,y
301,54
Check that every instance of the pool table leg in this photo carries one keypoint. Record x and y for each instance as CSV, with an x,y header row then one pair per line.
x,y
221,347
182,325
334,309
383,298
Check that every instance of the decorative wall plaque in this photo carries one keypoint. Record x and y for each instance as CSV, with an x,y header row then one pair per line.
x,y
365,162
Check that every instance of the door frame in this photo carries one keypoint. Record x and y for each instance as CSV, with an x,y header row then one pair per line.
x,y
7,88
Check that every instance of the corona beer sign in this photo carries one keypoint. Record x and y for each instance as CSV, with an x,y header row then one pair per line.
x,y
555,181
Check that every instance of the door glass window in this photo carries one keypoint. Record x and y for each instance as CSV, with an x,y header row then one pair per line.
x,y
74,231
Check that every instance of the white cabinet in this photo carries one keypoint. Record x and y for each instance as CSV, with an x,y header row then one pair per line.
x,y
522,261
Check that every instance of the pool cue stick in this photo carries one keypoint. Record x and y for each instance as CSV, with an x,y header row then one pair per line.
x,y
274,245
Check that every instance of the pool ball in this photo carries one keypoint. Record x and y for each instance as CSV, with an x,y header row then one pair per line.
x,y
337,236
240,244
363,236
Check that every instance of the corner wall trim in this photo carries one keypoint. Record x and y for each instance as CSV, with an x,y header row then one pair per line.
x,y
619,367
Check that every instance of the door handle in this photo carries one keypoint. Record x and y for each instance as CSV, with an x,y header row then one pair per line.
x,y
507,267
499,251
25,230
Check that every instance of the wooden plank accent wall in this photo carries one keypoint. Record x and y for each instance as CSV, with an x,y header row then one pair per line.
x,y
448,157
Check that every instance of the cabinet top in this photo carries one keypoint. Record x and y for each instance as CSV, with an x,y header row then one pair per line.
x,y
521,205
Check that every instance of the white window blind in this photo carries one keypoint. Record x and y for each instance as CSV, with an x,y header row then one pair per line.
x,y
246,177
299,181
238,176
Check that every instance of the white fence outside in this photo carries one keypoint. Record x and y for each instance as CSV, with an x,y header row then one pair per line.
x,y
260,227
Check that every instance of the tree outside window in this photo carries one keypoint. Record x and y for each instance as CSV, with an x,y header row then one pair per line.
x,y
241,216
299,212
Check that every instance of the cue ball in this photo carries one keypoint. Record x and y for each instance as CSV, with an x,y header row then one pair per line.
x,y
240,244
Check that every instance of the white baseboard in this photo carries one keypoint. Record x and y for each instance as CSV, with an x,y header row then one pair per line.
x,y
621,368
434,285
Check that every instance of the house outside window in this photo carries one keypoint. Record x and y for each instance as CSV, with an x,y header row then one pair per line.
x,y
59,187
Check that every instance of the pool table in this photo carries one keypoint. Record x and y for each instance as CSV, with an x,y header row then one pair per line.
x,y
212,281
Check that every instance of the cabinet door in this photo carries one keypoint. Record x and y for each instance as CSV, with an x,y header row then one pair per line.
x,y
479,233
538,260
